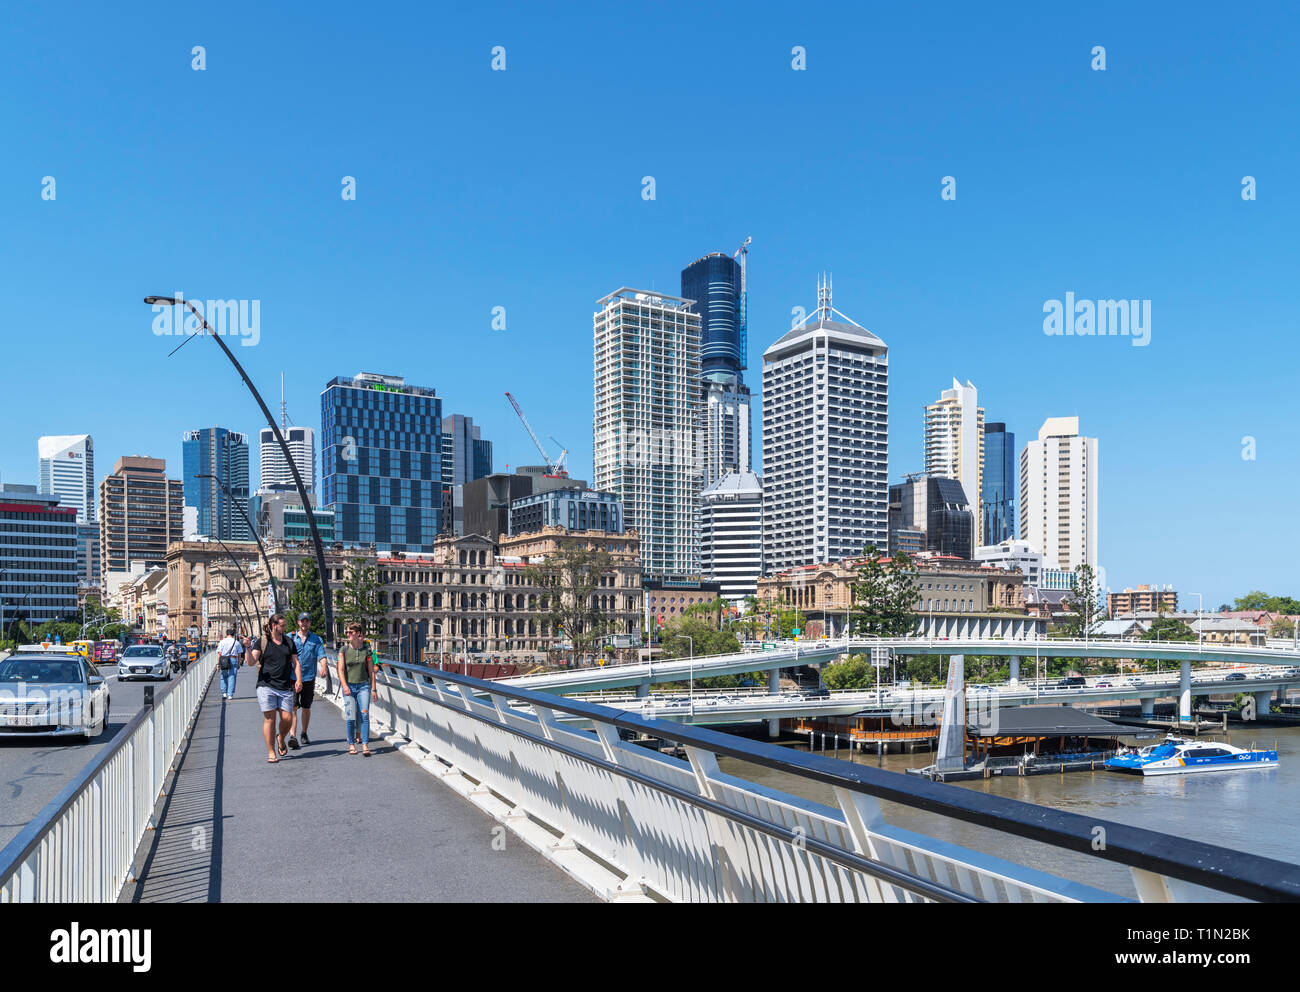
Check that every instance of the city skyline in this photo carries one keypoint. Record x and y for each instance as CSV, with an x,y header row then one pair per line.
x,y
966,279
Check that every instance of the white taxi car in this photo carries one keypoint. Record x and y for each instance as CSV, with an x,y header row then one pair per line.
x,y
51,691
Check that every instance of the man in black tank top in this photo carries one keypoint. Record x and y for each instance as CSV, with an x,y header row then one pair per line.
x,y
279,676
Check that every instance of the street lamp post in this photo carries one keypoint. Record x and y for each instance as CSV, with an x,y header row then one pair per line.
x,y
690,669
251,595
1200,606
270,575
284,449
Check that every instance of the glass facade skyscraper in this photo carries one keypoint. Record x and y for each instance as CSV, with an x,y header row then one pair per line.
x,y
222,453
381,461
998,496
713,283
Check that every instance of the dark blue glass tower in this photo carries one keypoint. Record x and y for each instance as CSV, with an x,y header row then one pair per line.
x,y
224,454
713,282
381,461
999,494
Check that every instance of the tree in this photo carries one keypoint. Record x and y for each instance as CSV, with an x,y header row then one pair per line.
x,y
1282,627
854,672
884,595
706,639
307,596
358,600
1257,600
1169,629
567,582
1081,603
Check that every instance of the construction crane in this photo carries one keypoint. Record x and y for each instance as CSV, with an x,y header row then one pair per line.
x,y
742,331
553,467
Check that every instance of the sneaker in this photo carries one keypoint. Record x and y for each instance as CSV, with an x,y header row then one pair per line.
x,y
305,739
293,742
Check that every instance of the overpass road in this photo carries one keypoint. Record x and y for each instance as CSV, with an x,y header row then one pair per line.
x,y
32,771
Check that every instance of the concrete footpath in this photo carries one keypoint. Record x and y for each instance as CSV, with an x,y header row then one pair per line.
x,y
323,826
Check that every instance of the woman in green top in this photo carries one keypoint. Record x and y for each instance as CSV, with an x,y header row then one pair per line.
x,y
357,676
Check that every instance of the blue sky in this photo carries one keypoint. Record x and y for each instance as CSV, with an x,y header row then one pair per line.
x,y
522,189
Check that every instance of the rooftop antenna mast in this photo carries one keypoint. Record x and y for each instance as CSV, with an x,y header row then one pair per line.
x,y
284,410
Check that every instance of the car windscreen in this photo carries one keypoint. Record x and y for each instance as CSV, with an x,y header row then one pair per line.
x,y
44,671
142,652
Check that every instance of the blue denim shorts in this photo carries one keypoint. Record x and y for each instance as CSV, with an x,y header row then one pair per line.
x,y
274,699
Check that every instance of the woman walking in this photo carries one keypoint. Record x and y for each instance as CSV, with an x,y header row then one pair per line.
x,y
357,676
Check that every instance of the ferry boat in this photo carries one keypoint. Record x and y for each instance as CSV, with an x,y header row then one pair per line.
x,y
1178,756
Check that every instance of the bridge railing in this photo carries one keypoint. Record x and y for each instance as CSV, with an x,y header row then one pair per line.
x,y
632,822
80,848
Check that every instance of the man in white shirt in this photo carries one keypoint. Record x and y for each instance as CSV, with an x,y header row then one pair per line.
x,y
229,652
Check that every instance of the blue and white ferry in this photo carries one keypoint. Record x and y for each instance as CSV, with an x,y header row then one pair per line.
x,y
1179,756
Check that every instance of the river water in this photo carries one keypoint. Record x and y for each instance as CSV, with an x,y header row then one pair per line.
x,y
1255,811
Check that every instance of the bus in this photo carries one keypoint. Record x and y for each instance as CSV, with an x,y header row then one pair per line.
x,y
84,648
105,652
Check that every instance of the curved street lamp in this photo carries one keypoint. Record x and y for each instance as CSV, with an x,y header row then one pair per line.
x,y
251,595
230,496
236,597
284,448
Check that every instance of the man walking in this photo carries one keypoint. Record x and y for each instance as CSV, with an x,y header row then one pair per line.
x,y
279,676
311,650
229,652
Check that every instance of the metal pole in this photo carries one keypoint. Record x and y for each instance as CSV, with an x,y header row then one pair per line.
x,y
251,595
270,575
288,457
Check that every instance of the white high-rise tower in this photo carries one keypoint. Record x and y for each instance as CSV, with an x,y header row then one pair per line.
x,y
1058,495
647,413
67,469
954,442
825,441
274,470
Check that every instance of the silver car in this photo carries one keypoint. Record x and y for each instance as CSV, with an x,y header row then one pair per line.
x,y
51,695
142,661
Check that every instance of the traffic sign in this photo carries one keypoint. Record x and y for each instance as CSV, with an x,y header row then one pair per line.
x,y
769,646
795,632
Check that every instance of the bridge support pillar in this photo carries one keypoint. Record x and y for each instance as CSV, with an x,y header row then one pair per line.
x,y
643,689
1148,708
1185,692
773,728
1262,700
1015,668
774,681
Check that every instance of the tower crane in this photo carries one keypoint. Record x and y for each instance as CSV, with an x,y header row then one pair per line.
x,y
553,467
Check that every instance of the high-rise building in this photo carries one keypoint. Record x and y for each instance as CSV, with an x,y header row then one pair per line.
x,y
713,285
88,554
381,461
825,441
954,441
465,455
274,470
141,511
647,413
998,489
938,508
280,516
38,556
221,501
1143,599
67,469
731,534
1058,495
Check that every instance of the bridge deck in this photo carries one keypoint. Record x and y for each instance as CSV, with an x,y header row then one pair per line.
x,y
322,825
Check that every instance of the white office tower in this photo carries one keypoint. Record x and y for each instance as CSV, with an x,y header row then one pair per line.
x,y
954,443
647,409
67,469
1058,495
731,534
727,436
825,441
275,471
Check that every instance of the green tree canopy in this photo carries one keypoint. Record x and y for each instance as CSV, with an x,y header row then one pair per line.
x,y
707,639
1169,629
884,595
1082,616
1282,627
1257,600
567,582
854,672
307,597
358,599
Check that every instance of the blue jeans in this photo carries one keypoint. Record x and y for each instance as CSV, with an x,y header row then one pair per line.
x,y
228,680
359,698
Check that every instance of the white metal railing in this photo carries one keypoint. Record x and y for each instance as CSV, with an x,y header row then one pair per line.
x,y
81,847
633,823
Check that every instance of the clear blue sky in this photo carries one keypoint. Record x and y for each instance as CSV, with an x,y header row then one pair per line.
x,y
522,189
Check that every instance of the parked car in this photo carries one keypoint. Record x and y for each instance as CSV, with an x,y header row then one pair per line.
x,y
1135,681
1236,677
1073,681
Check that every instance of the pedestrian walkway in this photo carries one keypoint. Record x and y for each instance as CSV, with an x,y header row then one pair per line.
x,y
323,826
